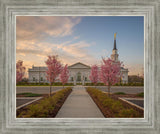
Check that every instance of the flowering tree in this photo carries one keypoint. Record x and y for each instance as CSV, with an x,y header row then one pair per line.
x,y
110,72
64,75
20,71
54,68
94,74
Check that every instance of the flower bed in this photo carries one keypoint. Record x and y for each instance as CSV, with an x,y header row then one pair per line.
x,y
112,107
47,107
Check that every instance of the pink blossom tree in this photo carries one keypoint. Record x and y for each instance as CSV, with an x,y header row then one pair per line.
x,y
94,74
64,75
54,68
110,72
20,71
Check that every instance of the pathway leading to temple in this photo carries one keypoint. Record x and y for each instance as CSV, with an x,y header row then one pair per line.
x,y
79,105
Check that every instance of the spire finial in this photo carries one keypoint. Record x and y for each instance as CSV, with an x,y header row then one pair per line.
x,y
115,36
115,41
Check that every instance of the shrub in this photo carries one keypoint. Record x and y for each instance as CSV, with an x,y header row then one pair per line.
x,y
46,84
116,84
128,113
129,84
107,102
102,97
35,111
116,106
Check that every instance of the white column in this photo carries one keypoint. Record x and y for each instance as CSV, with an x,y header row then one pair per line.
x,y
74,79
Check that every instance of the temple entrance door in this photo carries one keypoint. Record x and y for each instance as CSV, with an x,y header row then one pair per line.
x,y
78,78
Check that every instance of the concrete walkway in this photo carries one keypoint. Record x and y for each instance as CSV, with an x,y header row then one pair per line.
x,y
79,105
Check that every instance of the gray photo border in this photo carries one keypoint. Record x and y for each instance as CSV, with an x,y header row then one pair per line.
x,y
147,125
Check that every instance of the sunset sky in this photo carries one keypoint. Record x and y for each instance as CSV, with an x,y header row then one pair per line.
x,y
80,39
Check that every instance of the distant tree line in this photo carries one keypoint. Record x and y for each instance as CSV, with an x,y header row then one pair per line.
x,y
135,79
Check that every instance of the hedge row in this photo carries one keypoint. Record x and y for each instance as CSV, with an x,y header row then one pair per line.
x,y
111,107
91,84
118,84
71,84
129,84
45,107
43,84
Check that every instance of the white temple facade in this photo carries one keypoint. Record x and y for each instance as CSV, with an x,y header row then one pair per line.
x,y
78,72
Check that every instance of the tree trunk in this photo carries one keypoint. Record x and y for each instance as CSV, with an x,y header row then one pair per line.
x,y
109,90
50,90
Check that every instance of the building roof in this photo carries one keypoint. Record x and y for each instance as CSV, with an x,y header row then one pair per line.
x,y
79,63
36,68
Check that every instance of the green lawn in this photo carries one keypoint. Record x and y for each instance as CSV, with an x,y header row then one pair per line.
x,y
29,94
140,94
120,93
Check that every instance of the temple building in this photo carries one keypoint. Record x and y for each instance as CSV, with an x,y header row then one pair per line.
x,y
78,72
114,57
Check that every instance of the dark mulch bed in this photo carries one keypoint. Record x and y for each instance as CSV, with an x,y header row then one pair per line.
x,y
108,113
56,109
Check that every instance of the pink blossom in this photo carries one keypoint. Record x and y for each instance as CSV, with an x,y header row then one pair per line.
x,y
54,68
20,71
64,75
94,74
110,72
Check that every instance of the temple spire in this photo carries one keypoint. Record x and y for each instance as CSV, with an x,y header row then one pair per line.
x,y
115,42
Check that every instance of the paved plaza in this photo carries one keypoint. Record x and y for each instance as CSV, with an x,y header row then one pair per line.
x,y
138,102
37,89
20,101
79,105
24,101
45,89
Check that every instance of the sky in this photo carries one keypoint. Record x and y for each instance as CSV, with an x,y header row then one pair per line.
x,y
84,39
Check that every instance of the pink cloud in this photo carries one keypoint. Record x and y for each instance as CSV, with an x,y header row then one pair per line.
x,y
34,27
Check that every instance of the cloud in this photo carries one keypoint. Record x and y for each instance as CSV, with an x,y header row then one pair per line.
x,y
78,52
32,30
68,52
77,49
37,27
33,47
76,37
